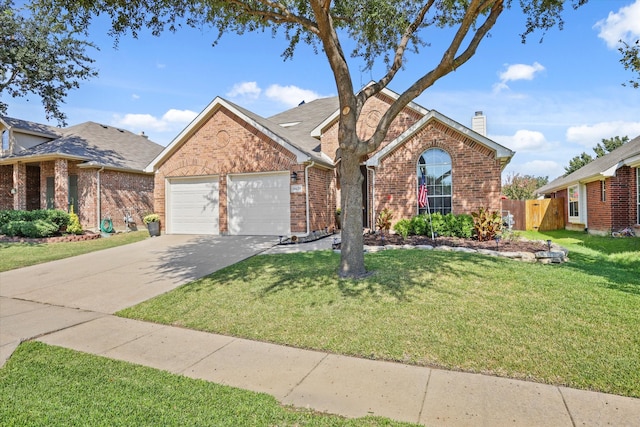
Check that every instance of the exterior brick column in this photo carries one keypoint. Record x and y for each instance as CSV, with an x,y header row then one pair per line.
x,y
61,177
20,184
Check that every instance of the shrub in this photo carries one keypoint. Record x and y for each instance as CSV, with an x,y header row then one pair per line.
x,y
419,225
12,228
486,224
37,228
403,227
58,217
74,226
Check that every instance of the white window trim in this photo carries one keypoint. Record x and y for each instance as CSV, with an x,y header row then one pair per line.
x,y
638,195
581,205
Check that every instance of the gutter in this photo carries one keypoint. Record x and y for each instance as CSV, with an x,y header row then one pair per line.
x,y
99,198
371,201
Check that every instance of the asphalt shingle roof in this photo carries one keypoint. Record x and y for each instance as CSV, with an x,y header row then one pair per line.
x,y
99,145
594,168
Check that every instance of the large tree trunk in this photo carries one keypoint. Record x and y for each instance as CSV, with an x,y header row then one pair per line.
x,y
352,254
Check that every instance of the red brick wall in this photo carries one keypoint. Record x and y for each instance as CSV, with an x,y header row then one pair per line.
x,y
224,145
623,198
371,114
476,173
599,212
6,184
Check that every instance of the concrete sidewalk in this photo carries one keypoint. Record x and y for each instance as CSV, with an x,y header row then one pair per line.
x,y
346,385
70,303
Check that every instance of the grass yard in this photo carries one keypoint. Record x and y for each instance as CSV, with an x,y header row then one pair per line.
x,y
18,255
576,324
49,386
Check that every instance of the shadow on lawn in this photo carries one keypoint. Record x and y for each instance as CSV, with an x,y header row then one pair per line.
x,y
620,276
395,274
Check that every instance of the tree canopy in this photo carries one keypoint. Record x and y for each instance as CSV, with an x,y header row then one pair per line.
x,y
380,30
604,147
522,187
631,61
40,54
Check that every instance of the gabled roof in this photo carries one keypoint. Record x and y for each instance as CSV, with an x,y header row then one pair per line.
x,y
335,114
31,128
303,146
304,118
502,153
600,168
97,145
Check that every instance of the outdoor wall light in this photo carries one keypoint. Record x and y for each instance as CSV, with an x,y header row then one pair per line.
x,y
497,239
294,176
14,190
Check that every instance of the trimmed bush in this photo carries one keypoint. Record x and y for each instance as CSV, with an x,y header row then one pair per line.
x,y
402,227
35,224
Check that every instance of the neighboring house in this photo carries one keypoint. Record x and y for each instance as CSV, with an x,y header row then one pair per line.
x,y
97,169
233,172
604,195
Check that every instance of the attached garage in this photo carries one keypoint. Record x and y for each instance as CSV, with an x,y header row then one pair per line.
x,y
193,205
259,204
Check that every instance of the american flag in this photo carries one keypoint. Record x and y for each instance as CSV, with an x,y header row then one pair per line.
x,y
422,193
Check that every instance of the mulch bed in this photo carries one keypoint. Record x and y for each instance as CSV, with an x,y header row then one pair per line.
x,y
515,245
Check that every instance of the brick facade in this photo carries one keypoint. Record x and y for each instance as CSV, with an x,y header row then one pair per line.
x,y
475,173
120,191
225,144
619,209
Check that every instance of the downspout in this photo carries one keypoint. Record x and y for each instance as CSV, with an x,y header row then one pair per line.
x,y
99,204
306,183
370,201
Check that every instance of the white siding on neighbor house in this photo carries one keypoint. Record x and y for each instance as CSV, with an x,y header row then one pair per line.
x,y
259,204
193,205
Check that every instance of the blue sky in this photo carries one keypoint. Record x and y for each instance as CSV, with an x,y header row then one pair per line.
x,y
547,101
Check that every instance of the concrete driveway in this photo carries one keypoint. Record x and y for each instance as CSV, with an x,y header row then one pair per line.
x,y
55,295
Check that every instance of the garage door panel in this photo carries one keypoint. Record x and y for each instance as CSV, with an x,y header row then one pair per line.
x,y
259,204
194,206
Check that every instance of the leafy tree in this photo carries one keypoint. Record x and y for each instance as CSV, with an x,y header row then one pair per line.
x,y
385,30
607,146
40,55
631,60
522,187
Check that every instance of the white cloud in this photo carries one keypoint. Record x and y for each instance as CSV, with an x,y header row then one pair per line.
x,y
516,72
624,25
524,141
245,89
290,95
135,96
549,168
590,135
181,117
172,120
161,66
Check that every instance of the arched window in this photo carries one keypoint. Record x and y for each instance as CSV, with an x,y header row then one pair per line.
x,y
434,181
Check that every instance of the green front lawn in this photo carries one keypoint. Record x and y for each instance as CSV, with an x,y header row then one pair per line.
x,y
18,255
576,324
49,386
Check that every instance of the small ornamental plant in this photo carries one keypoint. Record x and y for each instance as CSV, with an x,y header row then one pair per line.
x,y
384,220
74,226
151,218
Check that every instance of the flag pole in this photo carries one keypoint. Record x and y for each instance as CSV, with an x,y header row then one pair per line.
x,y
430,222
424,196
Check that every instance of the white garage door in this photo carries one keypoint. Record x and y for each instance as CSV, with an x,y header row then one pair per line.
x,y
192,206
259,204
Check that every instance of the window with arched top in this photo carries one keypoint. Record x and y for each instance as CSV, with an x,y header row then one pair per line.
x,y
434,182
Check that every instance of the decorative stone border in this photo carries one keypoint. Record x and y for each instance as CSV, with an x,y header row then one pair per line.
x,y
56,239
557,255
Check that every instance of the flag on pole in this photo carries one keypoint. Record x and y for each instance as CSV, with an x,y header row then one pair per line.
x,y
422,193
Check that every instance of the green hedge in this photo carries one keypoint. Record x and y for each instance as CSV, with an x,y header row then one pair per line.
x,y
448,225
33,224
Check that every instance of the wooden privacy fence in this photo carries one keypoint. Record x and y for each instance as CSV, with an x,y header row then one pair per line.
x,y
537,215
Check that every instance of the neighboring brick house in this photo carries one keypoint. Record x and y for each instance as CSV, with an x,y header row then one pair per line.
x,y
97,169
234,172
604,195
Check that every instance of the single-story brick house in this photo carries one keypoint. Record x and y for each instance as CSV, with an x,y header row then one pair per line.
x,y
97,169
233,172
604,195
